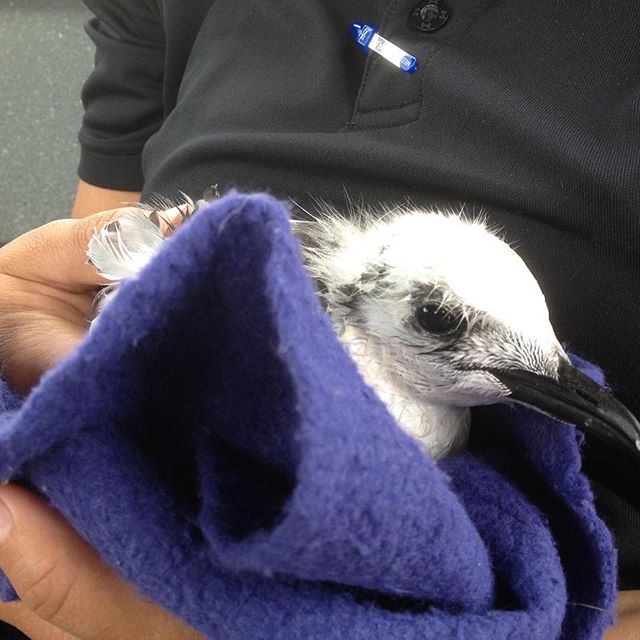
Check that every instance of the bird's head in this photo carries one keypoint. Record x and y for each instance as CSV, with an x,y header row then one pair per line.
x,y
454,315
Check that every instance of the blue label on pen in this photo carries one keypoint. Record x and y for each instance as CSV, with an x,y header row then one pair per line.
x,y
408,63
366,33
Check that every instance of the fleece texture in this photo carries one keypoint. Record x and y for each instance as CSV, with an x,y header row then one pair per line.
x,y
214,442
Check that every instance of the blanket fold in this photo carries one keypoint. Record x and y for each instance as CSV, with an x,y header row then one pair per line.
x,y
215,443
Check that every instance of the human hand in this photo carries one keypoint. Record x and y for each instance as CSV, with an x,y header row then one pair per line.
x,y
46,300
46,297
66,592
627,626
47,291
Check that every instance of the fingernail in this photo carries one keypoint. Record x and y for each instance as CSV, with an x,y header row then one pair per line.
x,y
6,519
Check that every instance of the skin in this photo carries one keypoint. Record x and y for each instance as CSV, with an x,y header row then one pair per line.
x,y
91,199
66,591
628,624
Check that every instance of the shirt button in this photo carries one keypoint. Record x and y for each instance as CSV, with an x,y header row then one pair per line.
x,y
429,15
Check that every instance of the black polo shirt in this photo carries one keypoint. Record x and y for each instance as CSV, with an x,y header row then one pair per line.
x,y
528,112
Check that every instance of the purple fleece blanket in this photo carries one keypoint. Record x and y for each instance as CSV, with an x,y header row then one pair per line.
x,y
212,439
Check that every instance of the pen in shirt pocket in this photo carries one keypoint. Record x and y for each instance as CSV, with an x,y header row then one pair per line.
x,y
368,38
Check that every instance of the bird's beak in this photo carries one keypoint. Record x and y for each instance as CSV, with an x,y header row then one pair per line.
x,y
575,398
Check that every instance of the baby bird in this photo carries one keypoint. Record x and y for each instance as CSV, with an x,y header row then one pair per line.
x,y
436,311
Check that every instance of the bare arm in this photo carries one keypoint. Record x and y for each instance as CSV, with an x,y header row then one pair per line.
x,y
91,199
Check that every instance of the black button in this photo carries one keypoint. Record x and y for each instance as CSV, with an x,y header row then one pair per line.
x,y
429,15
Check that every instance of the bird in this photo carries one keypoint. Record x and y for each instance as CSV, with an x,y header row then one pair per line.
x,y
438,313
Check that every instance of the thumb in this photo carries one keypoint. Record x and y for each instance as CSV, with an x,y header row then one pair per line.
x,y
56,252
61,579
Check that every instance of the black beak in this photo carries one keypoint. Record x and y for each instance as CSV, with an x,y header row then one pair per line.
x,y
576,399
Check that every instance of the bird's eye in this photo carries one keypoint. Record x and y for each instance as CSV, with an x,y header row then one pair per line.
x,y
438,319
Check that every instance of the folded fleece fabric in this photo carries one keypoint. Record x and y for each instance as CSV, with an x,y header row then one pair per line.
x,y
214,442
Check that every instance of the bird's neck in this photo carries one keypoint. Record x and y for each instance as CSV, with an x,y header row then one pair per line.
x,y
440,428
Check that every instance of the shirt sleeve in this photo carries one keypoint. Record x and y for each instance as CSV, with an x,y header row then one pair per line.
x,y
123,96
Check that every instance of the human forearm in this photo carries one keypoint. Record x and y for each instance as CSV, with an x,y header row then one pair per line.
x,y
91,199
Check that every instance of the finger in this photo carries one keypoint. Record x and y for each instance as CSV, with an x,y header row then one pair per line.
x,y
61,579
56,253
18,616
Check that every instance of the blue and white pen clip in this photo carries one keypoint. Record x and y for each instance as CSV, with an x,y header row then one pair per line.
x,y
368,38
